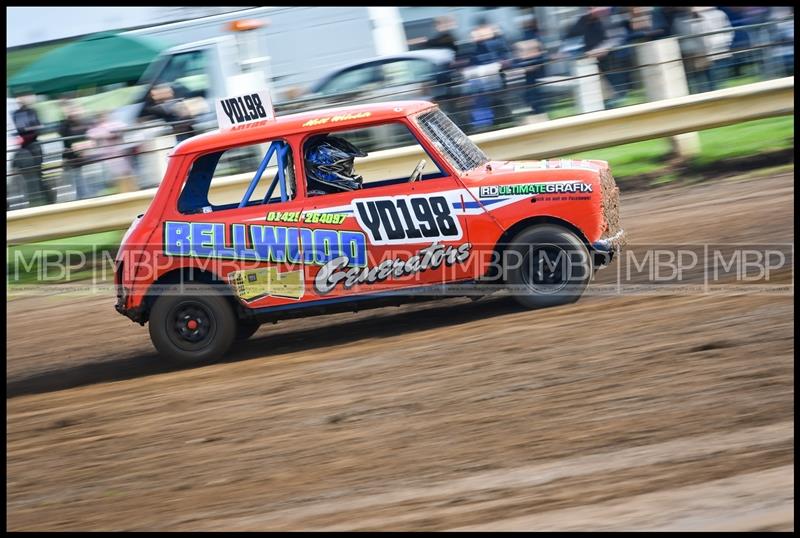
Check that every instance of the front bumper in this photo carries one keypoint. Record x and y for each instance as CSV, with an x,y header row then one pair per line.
x,y
605,249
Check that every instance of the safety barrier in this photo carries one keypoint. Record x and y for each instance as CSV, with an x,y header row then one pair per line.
x,y
544,140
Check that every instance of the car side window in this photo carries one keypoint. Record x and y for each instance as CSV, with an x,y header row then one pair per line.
x,y
270,169
406,72
353,79
186,71
337,162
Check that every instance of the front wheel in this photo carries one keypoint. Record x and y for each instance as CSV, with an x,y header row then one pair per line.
x,y
192,329
547,265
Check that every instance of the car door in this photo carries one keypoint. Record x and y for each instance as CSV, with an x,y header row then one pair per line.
x,y
254,247
387,237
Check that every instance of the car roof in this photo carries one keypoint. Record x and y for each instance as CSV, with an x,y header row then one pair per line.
x,y
322,120
437,56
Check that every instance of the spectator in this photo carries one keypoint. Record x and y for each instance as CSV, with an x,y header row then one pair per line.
x,y
488,44
641,26
446,79
530,29
529,56
444,38
73,129
601,33
110,150
487,54
162,102
706,56
664,20
28,158
746,38
783,35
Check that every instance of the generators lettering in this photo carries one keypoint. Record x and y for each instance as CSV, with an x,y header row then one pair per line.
x,y
263,243
407,219
432,257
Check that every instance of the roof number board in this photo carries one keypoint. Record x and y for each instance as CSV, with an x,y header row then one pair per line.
x,y
233,111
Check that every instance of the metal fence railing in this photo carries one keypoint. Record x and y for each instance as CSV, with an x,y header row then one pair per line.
x,y
477,102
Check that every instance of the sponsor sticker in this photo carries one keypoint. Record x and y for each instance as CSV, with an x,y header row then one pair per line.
x,y
263,243
310,218
338,270
389,220
532,189
255,284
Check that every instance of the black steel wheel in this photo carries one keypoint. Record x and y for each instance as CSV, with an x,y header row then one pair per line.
x,y
547,265
192,329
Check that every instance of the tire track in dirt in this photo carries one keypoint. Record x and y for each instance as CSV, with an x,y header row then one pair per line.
x,y
467,491
756,501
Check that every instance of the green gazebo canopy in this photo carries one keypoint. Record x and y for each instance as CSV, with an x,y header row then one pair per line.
x,y
99,59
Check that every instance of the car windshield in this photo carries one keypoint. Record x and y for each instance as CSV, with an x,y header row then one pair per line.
x,y
451,141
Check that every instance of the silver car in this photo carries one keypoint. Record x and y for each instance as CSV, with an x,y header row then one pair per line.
x,y
410,75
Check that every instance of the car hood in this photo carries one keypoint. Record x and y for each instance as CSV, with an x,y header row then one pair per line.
x,y
493,169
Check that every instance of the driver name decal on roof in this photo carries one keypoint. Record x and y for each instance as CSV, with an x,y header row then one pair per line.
x,y
337,118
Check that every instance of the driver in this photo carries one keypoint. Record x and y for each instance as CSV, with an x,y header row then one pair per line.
x,y
329,165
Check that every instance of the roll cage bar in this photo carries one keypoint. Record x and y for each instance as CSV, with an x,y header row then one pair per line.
x,y
281,149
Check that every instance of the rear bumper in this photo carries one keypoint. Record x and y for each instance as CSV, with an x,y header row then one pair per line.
x,y
137,314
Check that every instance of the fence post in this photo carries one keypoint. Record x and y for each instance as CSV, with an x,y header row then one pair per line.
x,y
665,78
589,87
153,160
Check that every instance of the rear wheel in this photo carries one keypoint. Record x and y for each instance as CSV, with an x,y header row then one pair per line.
x,y
192,329
547,265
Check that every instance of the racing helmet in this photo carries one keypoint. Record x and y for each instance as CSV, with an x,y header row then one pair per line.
x,y
329,164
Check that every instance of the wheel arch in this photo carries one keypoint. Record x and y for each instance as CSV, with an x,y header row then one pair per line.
x,y
520,225
191,274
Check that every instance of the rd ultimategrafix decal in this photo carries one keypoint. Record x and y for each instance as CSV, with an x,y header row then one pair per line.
x,y
528,189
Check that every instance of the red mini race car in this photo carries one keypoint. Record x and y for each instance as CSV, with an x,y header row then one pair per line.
x,y
334,229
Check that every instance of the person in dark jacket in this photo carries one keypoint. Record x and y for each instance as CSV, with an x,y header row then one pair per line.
x,y
444,38
28,158
487,55
601,33
664,18
73,129
642,25
531,58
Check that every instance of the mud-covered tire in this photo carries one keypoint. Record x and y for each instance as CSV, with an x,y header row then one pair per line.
x,y
547,265
246,329
195,328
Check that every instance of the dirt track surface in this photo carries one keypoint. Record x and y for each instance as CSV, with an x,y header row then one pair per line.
x,y
618,412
